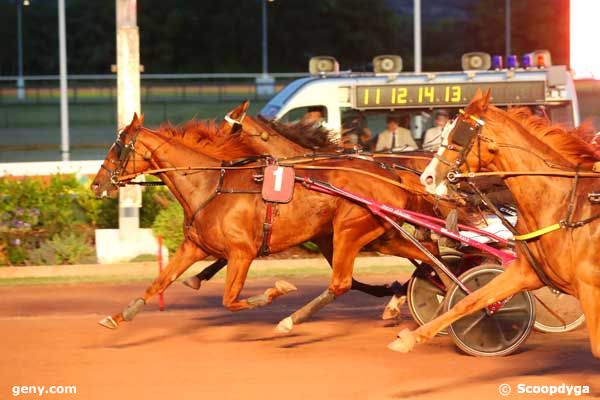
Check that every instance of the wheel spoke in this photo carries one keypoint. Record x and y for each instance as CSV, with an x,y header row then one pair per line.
x,y
501,334
438,309
513,309
472,325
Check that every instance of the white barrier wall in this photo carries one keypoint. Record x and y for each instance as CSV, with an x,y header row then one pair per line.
x,y
84,167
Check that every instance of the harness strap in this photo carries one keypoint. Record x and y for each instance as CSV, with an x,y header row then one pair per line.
x,y
538,233
520,244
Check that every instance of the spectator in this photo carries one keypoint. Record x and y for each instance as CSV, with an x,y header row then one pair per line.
x,y
433,137
315,114
394,137
355,133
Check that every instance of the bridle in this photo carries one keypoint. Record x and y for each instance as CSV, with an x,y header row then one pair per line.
x,y
123,152
237,126
467,128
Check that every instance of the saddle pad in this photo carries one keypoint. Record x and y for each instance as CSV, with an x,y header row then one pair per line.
x,y
278,184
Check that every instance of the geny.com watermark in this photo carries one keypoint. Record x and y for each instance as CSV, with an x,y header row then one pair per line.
x,y
42,390
569,390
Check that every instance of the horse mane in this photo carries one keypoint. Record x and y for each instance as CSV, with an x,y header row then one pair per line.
x,y
206,137
309,135
573,144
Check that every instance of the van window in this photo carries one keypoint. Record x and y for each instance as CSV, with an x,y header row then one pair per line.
x,y
308,114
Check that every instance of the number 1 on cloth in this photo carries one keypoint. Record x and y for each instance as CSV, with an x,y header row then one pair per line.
x,y
278,184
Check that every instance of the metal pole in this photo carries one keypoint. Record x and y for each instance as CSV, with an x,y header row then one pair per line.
x,y
20,80
417,34
265,55
64,99
417,120
507,29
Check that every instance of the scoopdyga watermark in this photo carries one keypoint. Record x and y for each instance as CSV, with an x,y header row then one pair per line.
x,y
551,390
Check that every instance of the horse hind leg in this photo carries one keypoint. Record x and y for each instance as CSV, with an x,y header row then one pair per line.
x,y
187,254
325,244
347,244
237,272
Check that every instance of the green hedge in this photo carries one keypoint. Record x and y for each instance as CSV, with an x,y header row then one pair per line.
x,y
52,220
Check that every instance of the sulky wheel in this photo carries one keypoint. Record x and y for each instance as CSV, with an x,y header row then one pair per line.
x,y
556,312
482,334
425,293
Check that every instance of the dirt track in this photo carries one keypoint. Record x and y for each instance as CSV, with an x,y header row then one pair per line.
x,y
198,350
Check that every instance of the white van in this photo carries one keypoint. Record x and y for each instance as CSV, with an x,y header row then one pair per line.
x,y
416,96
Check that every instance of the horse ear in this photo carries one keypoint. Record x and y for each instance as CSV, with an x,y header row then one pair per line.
x,y
240,110
478,95
136,122
485,101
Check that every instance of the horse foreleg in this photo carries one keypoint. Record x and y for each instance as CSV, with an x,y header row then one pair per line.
x,y
516,278
237,271
187,254
589,296
206,274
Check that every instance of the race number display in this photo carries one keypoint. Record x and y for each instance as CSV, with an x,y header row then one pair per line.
x,y
278,184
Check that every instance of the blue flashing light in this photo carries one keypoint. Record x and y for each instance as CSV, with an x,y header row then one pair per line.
x,y
497,62
512,62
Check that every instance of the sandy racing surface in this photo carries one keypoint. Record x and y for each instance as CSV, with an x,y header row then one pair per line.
x,y
198,350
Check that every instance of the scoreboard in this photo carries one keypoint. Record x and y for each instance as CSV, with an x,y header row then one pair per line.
x,y
454,94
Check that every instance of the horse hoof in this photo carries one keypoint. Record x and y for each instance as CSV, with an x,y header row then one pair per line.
x,y
285,325
193,282
285,287
404,343
392,309
108,322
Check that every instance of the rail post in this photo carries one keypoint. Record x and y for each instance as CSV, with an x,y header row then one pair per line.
x,y
161,295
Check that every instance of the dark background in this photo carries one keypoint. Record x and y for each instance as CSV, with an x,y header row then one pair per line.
x,y
224,35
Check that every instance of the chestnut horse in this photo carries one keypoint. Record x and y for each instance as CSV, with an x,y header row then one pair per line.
x,y
231,227
289,141
550,173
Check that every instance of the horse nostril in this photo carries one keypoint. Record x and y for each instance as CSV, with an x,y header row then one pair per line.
x,y
429,180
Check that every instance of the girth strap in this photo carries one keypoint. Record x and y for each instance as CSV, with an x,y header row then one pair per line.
x,y
265,246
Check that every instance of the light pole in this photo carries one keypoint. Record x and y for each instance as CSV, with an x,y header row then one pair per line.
x,y
64,94
506,29
20,80
417,120
417,34
265,47
265,85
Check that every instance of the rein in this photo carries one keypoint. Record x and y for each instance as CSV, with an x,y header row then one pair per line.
x,y
453,176
297,164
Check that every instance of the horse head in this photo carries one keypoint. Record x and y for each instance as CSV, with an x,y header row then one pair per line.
x,y
125,156
465,146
